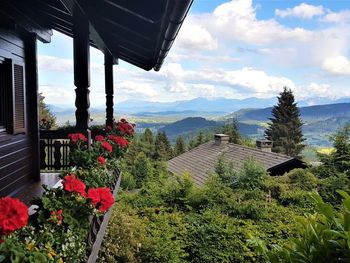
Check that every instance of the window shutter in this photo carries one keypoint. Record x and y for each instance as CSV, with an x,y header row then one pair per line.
x,y
18,98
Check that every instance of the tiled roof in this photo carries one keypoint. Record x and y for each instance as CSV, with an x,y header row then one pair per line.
x,y
201,161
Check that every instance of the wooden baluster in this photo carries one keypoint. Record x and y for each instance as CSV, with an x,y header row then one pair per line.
x,y
57,155
43,146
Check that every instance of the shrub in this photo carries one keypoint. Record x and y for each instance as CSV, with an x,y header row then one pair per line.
x,y
324,236
303,179
128,181
215,237
252,175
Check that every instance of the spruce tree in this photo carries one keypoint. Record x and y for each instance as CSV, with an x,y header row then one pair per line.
x,y
231,129
285,128
163,150
142,169
146,143
180,146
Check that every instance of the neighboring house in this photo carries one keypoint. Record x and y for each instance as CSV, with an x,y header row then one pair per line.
x,y
201,161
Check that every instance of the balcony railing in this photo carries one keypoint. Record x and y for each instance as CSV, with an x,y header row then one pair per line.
x,y
54,150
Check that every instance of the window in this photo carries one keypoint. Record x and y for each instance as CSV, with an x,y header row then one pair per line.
x,y
12,96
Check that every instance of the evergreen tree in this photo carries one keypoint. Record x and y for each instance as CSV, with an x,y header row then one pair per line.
x,y
231,129
163,150
285,128
180,146
200,139
147,143
339,159
142,169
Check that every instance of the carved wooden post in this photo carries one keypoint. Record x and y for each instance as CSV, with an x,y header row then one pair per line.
x,y
109,88
81,53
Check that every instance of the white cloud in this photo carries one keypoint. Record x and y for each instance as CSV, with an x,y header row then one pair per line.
x,y
245,80
304,11
337,65
337,17
58,95
136,90
314,90
57,64
236,20
195,36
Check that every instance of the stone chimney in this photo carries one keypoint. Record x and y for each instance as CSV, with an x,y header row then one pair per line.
x,y
264,145
221,139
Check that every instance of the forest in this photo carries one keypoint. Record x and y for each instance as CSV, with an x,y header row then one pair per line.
x,y
245,216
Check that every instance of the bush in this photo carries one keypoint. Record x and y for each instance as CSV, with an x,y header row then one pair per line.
x,y
125,234
328,187
128,181
324,236
252,175
215,237
295,197
303,179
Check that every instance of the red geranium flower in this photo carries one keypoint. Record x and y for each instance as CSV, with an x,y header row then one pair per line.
x,y
121,141
99,138
72,184
107,146
76,137
101,160
108,128
57,216
101,198
13,215
125,128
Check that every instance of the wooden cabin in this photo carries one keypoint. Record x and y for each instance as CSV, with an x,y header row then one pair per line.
x,y
139,32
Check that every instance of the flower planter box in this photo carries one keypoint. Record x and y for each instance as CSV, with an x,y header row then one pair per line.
x,y
99,223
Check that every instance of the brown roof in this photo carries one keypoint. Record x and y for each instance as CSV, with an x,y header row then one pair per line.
x,y
201,161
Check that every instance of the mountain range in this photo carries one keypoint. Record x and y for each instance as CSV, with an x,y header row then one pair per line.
x,y
196,105
308,114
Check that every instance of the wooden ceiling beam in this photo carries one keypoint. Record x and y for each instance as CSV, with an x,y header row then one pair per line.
x,y
19,13
94,35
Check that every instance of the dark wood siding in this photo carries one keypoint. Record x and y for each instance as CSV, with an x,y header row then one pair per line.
x,y
16,160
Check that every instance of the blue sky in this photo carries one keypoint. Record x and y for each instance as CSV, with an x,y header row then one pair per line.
x,y
232,49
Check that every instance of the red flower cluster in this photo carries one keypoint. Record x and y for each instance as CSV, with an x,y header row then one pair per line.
x,y
57,216
72,184
121,141
107,146
101,160
108,128
13,215
76,137
99,138
125,128
101,198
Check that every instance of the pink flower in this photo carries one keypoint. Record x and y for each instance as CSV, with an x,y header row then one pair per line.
x,y
57,216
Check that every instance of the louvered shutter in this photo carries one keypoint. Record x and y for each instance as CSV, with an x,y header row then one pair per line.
x,y
18,98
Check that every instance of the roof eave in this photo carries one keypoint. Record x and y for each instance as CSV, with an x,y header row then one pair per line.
x,y
177,12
